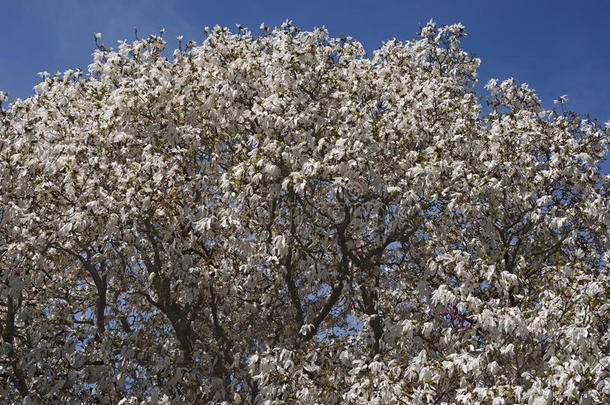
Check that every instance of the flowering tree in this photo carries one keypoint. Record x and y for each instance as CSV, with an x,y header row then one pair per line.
x,y
281,219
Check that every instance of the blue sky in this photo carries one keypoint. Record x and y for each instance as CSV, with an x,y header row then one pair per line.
x,y
557,47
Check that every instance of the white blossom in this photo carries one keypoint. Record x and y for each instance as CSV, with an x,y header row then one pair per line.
x,y
285,218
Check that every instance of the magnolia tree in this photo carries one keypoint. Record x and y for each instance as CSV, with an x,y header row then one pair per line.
x,y
282,218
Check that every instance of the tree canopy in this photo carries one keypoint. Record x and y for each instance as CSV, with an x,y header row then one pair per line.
x,y
284,218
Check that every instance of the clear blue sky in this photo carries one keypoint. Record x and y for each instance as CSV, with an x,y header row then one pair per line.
x,y
556,46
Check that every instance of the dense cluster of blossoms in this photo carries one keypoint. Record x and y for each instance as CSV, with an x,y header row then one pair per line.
x,y
282,218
